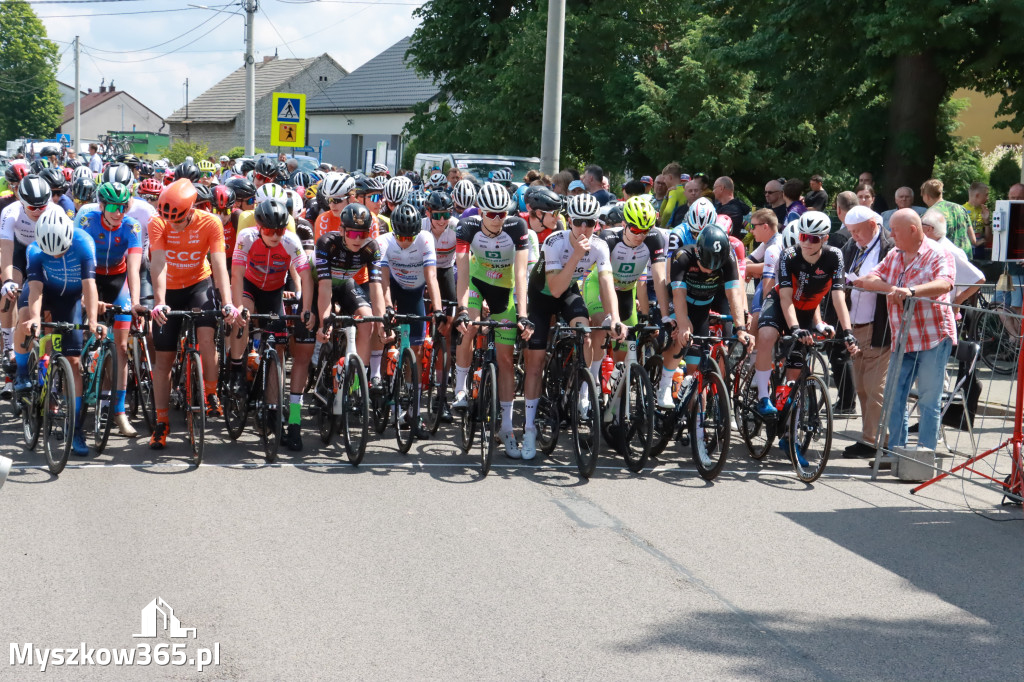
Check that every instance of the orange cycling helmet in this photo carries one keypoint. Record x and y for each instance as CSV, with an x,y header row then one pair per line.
x,y
176,200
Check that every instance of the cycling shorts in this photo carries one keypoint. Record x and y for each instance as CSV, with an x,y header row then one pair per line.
x,y
113,289
446,283
299,331
771,316
61,309
350,296
200,295
410,302
266,302
626,299
20,261
499,302
542,307
145,285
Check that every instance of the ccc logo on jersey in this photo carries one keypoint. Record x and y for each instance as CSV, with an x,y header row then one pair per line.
x,y
184,256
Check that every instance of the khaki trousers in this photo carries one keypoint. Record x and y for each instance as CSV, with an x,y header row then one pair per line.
x,y
870,367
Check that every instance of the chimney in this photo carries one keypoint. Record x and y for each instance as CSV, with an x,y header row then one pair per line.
x,y
103,86
269,58
90,91
111,88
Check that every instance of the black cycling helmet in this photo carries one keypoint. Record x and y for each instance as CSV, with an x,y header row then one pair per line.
x,y
614,217
272,214
713,247
406,220
266,167
439,201
204,196
247,165
356,217
243,188
15,172
282,171
186,170
145,170
39,165
84,190
363,185
34,192
542,198
50,151
117,172
301,179
54,177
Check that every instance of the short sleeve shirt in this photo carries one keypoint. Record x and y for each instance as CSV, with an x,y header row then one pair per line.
x,y
186,249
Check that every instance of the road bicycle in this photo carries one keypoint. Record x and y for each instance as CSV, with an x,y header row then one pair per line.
x,y
435,378
398,398
99,381
998,333
627,403
482,407
139,398
187,380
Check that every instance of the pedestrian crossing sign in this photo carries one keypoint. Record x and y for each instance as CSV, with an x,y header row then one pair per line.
x,y
288,127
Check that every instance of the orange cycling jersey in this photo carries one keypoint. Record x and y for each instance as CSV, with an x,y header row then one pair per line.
x,y
186,249
328,222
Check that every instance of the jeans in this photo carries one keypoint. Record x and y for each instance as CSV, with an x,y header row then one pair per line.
x,y
928,367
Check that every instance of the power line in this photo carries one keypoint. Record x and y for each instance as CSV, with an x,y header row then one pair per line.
x,y
153,47
119,14
147,59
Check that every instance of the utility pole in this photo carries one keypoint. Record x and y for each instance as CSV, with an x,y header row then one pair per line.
x,y
551,126
78,98
250,80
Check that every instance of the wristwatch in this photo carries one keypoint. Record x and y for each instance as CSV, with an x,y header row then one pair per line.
x,y
913,291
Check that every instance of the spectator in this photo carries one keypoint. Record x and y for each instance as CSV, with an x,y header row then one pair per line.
x,y
934,225
633,188
880,205
726,203
660,191
791,192
981,221
576,187
292,165
691,192
675,197
95,161
865,195
282,158
958,223
867,247
606,185
573,172
560,182
904,198
916,268
775,200
817,198
593,182
648,183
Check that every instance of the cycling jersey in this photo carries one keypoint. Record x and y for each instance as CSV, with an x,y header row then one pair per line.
x,y
629,263
265,266
67,204
810,282
111,245
138,209
678,237
337,263
492,259
248,219
328,223
406,265
555,253
186,249
63,276
16,226
231,234
701,287
444,246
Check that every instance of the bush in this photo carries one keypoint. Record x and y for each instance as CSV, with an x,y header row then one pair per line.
x,y
236,152
179,149
958,167
1005,172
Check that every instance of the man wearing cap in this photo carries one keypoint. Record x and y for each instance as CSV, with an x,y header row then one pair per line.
x,y
727,203
816,199
867,247
576,187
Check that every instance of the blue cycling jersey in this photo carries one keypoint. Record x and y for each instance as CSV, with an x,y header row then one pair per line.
x,y
111,245
63,276
678,237
65,202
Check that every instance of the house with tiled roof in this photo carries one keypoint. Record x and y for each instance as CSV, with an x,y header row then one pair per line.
x,y
361,117
110,109
217,116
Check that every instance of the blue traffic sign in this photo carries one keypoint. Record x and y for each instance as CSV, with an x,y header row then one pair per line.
x,y
64,139
288,110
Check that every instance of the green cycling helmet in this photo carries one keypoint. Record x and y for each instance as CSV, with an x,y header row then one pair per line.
x,y
113,193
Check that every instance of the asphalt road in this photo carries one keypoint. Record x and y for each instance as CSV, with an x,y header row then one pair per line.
x,y
411,567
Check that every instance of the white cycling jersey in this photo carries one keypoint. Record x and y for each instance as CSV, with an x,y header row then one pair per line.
x,y
15,225
444,246
557,249
406,265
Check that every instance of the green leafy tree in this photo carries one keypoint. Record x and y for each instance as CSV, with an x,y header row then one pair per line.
x,y
1005,173
30,104
179,149
237,152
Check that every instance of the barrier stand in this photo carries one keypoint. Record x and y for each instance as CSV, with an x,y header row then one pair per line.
x,y
881,456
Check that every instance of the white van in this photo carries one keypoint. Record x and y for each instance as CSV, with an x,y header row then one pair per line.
x,y
478,165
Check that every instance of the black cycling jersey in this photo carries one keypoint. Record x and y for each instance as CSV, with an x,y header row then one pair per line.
x,y
702,287
337,263
810,282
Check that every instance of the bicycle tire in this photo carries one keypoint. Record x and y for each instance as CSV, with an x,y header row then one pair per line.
x,y
810,420
637,426
195,407
324,393
355,410
31,410
379,399
144,382
585,428
487,403
58,414
819,366
106,382
548,420
268,419
437,389
715,441
1000,346
469,415
758,434
405,396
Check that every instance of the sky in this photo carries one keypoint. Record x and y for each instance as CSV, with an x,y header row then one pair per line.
x,y
131,49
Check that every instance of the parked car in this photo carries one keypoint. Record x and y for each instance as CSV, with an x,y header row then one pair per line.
x,y
306,163
478,165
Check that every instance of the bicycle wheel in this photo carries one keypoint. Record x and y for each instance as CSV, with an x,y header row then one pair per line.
x,y
437,389
758,435
324,394
406,399
236,408
380,400
144,382
355,410
106,388
709,426
469,415
548,420
819,365
487,404
195,408
634,433
585,425
810,429
269,405
31,416
1000,344
58,414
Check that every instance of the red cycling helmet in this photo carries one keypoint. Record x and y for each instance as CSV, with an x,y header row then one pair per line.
x,y
150,187
67,173
168,177
223,198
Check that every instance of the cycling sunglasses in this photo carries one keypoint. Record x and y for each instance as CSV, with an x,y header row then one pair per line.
x,y
494,215
633,229
584,222
441,215
404,238
356,234
265,178
206,174
274,230
334,201
375,198
811,238
115,208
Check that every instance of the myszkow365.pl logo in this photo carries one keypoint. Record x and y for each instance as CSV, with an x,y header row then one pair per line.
x,y
157,619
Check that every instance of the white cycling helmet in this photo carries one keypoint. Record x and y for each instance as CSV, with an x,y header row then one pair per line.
x,y
493,197
700,215
437,180
501,175
379,168
815,223
337,185
293,200
81,172
54,231
397,189
790,234
583,207
464,193
270,191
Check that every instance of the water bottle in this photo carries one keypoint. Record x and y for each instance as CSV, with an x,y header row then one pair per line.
x,y
677,382
428,350
339,370
616,375
782,395
476,381
607,367
93,361
392,361
44,364
252,363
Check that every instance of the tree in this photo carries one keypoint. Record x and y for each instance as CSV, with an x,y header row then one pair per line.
x,y
30,104
179,149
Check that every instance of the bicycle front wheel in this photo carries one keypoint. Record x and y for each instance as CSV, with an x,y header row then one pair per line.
x,y
584,420
548,420
487,404
437,389
635,431
144,383
195,407
106,388
810,429
354,395
709,426
31,417
269,406
58,414
324,394
758,435
406,400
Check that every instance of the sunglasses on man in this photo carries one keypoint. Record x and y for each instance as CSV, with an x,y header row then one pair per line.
x,y
356,234
441,215
114,208
633,229
278,232
495,215
584,222
811,238
334,201
265,178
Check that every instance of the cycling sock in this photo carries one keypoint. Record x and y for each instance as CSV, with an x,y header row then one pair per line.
x,y
237,366
461,374
22,361
506,416
375,356
210,386
8,333
595,370
531,411
78,413
295,409
763,377
162,417
119,405
667,376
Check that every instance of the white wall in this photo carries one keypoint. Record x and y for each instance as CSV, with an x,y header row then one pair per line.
x,y
362,124
107,116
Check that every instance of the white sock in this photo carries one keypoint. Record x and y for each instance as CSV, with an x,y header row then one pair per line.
x,y
595,370
506,416
8,333
585,393
763,377
461,374
531,411
375,356
667,375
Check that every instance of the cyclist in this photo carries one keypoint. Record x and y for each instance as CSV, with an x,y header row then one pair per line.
x,y
188,171
118,244
491,258
701,214
340,255
264,257
542,217
463,196
265,171
206,172
181,239
380,170
204,197
806,274
54,177
83,191
60,276
395,191
13,174
245,194
340,190
370,192
223,206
